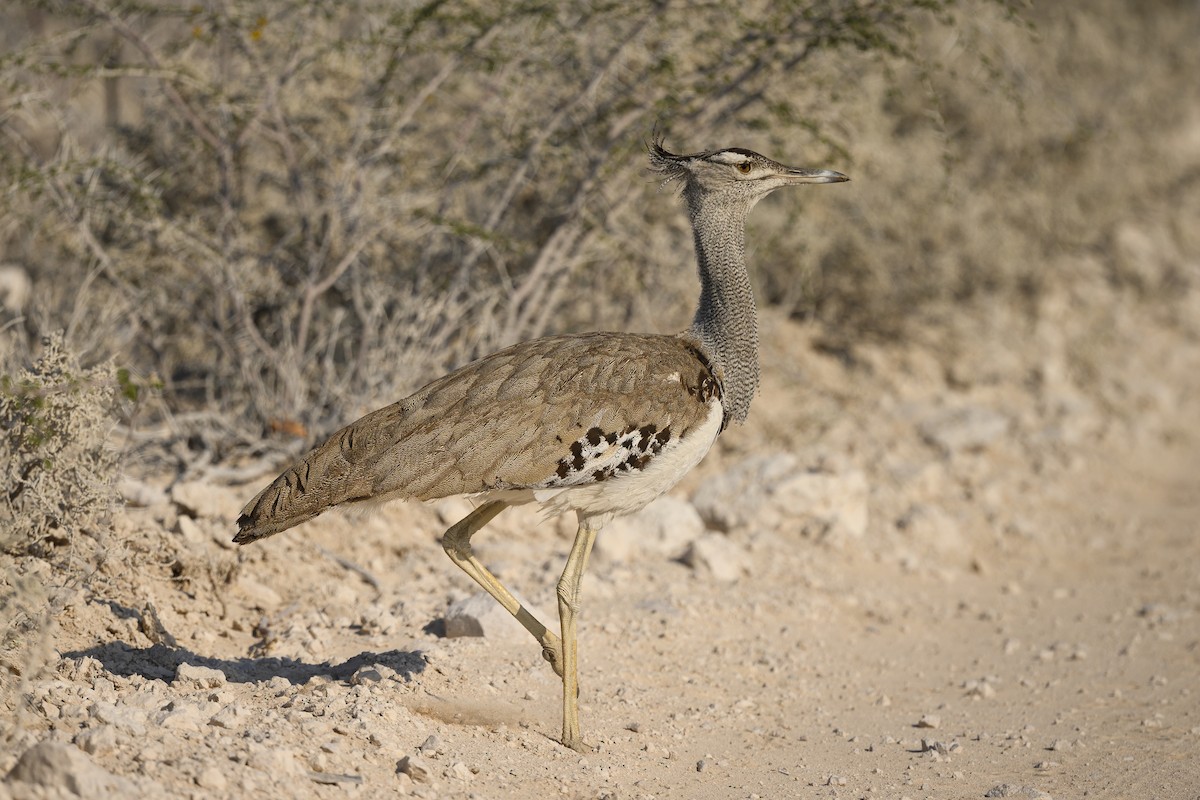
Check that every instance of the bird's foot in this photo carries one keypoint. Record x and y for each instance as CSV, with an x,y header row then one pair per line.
x,y
577,744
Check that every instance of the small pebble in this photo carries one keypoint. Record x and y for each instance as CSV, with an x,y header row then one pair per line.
x,y
179,716
932,745
230,716
416,768
365,675
199,677
211,778
929,721
459,771
1008,790
97,741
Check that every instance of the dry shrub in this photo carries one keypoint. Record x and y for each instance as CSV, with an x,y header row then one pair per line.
x,y
58,492
58,472
295,208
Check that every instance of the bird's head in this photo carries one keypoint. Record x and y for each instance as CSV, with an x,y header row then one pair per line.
x,y
732,174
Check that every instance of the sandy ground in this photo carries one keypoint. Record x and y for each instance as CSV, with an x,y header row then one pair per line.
x,y
989,588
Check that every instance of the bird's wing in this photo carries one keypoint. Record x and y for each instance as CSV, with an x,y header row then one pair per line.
x,y
552,412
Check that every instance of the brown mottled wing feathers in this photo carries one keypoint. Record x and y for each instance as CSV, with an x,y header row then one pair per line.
x,y
505,421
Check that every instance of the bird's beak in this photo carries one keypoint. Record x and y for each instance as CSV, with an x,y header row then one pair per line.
x,y
793,175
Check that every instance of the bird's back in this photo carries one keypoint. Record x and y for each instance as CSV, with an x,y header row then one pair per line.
x,y
559,412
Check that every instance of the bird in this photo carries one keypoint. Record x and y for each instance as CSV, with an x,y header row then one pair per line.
x,y
596,423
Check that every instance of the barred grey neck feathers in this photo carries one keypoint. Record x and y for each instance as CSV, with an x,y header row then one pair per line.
x,y
726,321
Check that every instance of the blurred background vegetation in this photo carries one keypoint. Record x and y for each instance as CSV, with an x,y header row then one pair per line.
x,y
282,214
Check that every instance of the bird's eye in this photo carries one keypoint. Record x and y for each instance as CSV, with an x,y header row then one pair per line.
x,y
744,167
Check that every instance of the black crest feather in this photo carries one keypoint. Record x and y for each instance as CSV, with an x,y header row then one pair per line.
x,y
670,165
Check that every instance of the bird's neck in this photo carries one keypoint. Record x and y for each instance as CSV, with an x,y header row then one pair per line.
x,y
726,321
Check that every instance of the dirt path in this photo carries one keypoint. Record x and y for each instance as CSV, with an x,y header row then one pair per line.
x,y
1069,667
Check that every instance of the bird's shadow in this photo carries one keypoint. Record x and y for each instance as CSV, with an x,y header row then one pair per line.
x,y
160,662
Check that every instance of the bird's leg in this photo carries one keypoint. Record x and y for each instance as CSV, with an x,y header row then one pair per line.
x,y
457,544
568,607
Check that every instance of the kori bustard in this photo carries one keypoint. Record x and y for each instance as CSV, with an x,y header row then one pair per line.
x,y
599,423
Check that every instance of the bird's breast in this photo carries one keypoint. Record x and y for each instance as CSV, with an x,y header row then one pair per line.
x,y
621,472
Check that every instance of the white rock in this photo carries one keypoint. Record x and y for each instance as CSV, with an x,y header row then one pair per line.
x,y
54,765
432,746
774,492
179,716
964,428
459,771
735,497
258,594
416,768
366,676
83,670
931,527
664,528
199,677
139,493
481,615
1008,790
100,740
831,506
274,761
211,777
199,499
191,530
231,717
129,720
714,554
404,783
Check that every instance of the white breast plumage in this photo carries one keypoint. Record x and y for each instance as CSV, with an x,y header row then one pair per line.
x,y
617,490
